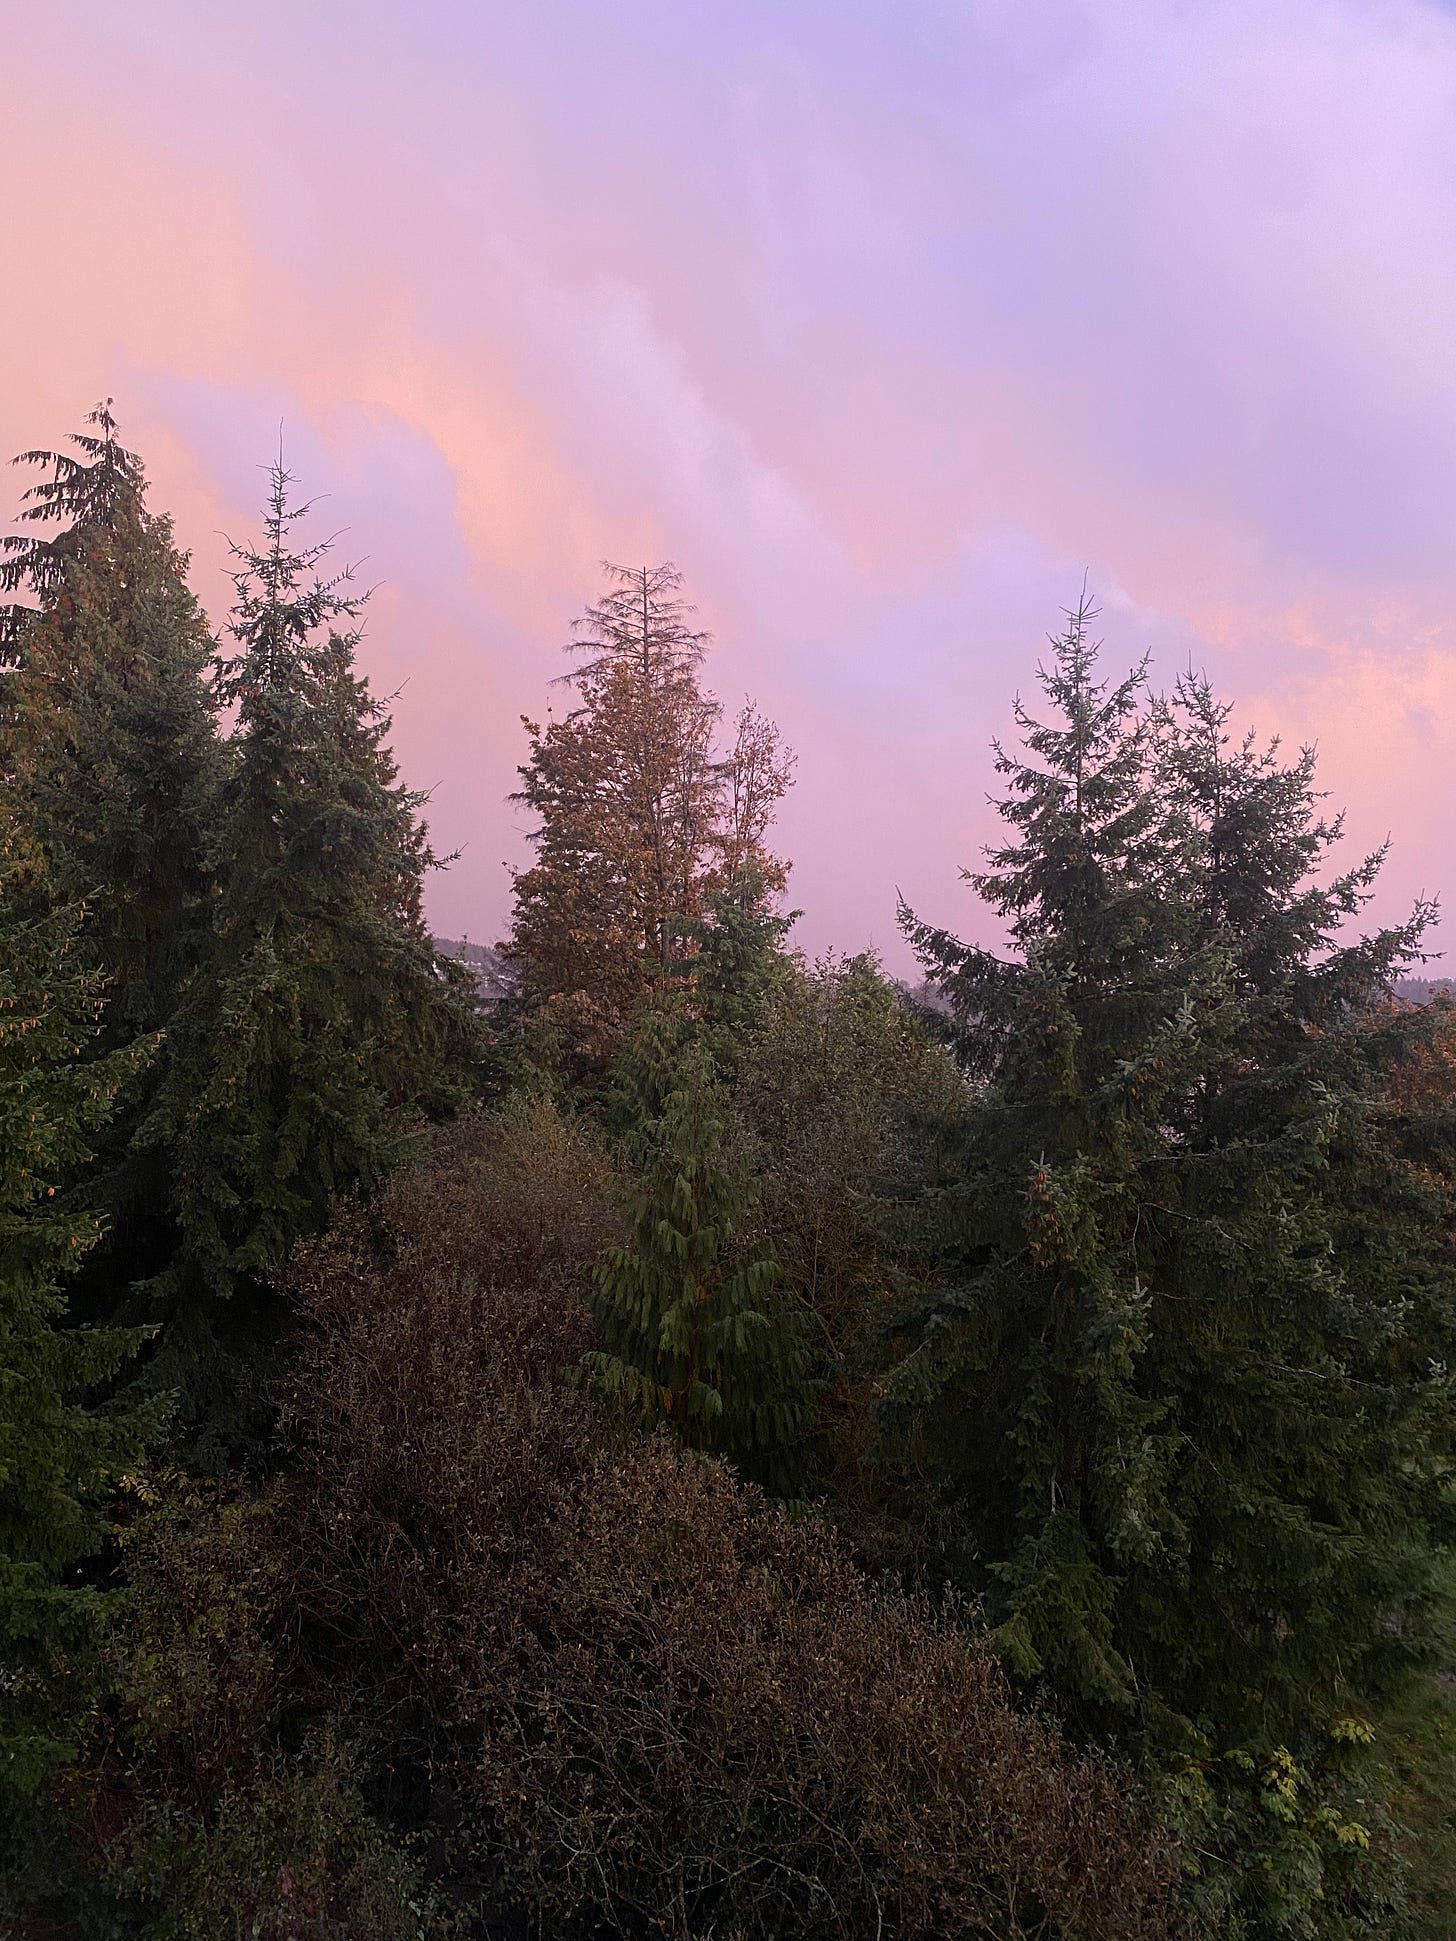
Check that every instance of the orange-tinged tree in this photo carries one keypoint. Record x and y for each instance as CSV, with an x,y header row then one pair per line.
x,y
642,823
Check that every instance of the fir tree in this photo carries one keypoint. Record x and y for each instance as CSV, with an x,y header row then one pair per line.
x,y
1048,1313
738,962
696,1332
110,745
57,1456
1177,1365
112,763
1340,1233
323,1014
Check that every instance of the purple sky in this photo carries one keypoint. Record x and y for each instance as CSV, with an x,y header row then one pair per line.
x,y
884,321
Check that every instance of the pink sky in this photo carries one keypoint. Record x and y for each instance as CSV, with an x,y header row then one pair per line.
x,y
884,321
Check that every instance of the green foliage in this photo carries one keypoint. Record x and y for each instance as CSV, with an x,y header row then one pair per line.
x,y
113,763
1105,1297
1291,1846
834,1080
57,1456
110,738
203,1818
319,1014
738,964
1183,1363
294,1856
695,1330
611,1690
1415,1746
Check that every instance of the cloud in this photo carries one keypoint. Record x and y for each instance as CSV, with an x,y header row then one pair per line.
x,y
885,323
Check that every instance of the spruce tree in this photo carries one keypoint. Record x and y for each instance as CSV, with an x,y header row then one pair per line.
x,y
1176,1363
696,1331
1046,1313
57,1455
321,1014
1296,1129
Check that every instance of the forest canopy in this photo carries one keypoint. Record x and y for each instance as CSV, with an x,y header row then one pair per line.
x,y
631,1430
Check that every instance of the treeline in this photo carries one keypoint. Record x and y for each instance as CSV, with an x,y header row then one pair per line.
x,y
1420,990
665,1437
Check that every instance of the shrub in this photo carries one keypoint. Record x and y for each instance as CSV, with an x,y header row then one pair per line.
x,y
653,1700
591,1691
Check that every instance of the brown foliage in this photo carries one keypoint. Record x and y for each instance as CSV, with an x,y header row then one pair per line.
x,y
202,1824
640,821
521,1198
1424,1079
660,1701
617,1690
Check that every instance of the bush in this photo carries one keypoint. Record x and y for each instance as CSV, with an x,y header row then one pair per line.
x,y
518,1199
286,1855
590,1691
650,1698
210,1807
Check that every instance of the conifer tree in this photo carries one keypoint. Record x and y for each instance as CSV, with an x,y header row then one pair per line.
x,y
640,823
696,1331
110,743
1294,1129
112,763
322,1013
1048,1314
739,960
1177,1364
56,1455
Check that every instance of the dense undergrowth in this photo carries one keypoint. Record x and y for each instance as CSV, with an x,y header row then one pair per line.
x,y
1416,1744
468,1662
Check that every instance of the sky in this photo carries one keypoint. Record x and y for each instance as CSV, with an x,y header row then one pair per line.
x,y
887,322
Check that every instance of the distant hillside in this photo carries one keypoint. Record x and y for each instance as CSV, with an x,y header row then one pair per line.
x,y
493,975
1414,990
495,979
1420,990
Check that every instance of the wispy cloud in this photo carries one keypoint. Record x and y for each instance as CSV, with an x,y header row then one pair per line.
x,y
884,322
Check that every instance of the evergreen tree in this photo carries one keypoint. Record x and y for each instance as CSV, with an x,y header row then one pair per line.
x,y
110,746
1297,1131
56,1455
738,962
322,1013
1048,1311
640,823
112,762
1177,1365
696,1332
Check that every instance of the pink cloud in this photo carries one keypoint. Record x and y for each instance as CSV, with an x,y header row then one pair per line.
x,y
884,323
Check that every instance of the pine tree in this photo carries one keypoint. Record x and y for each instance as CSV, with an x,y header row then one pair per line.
x,y
640,823
57,1456
322,1014
1177,1362
696,1331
